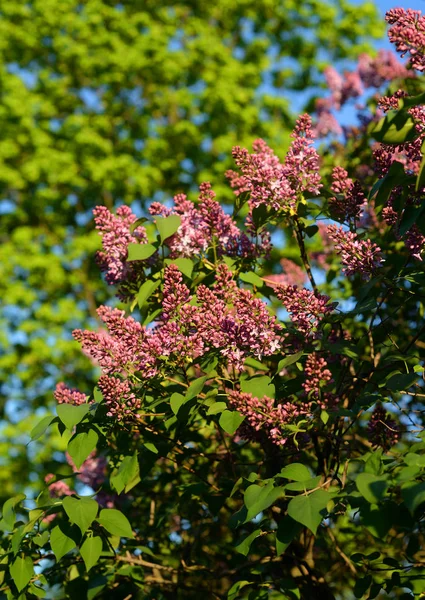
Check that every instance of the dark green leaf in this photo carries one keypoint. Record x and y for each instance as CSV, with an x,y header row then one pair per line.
x,y
41,427
82,512
295,472
230,421
71,415
251,278
8,510
372,487
145,291
61,544
81,445
90,551
289,360
259,386
243,544
413,495
167,226
195,387
21,572
140,251
115,522
309,510
257,498
396,127
126,476
287,530
185,265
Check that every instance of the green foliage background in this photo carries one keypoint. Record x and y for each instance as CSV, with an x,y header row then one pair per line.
x,y
110,102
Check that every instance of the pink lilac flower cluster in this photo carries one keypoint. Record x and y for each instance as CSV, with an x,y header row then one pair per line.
x,y
317,379
116,236
292,274
350,199
369,73
382,430
66,395
204,225
357,256
407,32
306,309
93,470
225,318
274,184
264,415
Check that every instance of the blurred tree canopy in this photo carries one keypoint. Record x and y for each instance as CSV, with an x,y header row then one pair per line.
x,y
110,102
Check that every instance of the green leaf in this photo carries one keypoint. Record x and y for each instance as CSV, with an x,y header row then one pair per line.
x,y
287,531
251,278
21,572
41,427
91,550
8,510
308,510
71,415
259,386
140,251
306,484
167,226
82,512
195,387
185,265
233,593
257,498
396,127
372,487
361,586
115,522
413,495
243,544
41,539
61,543
296,472
289,360
411,215
127,475
230,421
217,407
145,291
81,445
176,402
401,382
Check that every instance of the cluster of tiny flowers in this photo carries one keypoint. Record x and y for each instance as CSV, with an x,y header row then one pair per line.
x,y
263,415
204,225
343,87
306,309
357,256
347,205
66,395
272,183
407,32
317,378
124,349
119,399
292,274
369,73
225,318
116,236
57,489
93,470
382,430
